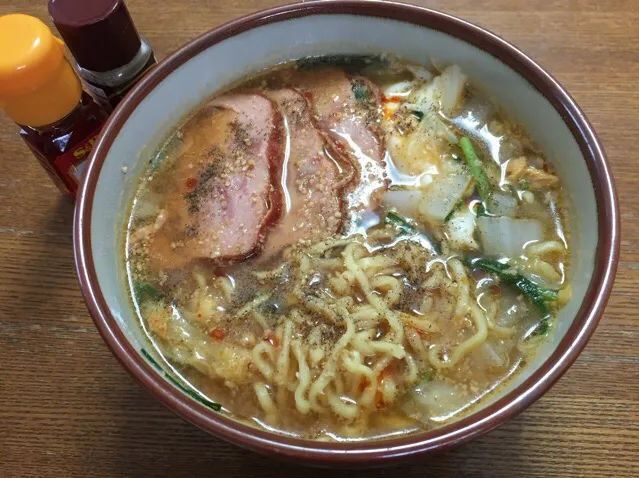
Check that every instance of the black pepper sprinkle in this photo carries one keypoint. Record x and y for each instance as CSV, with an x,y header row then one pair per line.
x,y
190,231
203,187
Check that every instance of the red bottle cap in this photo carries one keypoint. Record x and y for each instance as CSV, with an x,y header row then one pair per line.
x,y
99,33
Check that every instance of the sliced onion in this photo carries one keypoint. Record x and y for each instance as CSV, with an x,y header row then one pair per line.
x,y
489,354
425,179
146,206
460,230
420,72
434,401
476,111
403,88
443,93
443,195
506,237
503,204
511,309
451,83
405,201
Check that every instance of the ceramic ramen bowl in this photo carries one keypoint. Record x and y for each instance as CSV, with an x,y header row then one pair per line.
x,y
230,52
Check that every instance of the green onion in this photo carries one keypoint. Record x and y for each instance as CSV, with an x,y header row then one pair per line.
x,y
204,401
406,227
142,290
417,114
548,295
349,62
451,214
539,296
474,165
453,211
481,210
543,327
360,91
399,222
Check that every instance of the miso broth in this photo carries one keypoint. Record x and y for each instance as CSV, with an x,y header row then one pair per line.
x,y
345,248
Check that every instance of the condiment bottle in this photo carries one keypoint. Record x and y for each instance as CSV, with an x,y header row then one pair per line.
x,y
110,55
40,91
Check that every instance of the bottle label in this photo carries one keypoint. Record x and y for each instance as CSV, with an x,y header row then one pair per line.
x,y
71,164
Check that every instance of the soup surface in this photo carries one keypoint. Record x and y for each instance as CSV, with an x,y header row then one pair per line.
x,y
345,248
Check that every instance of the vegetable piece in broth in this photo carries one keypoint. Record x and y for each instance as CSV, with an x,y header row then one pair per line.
x,y
474,165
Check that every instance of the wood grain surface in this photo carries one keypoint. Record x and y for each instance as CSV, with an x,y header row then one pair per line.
x,y
68,409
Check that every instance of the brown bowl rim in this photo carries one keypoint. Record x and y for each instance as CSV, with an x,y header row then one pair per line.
x,y
372,452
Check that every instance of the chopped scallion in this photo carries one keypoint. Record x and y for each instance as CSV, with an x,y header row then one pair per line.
x,y
406,227
143,290
539,296
476,169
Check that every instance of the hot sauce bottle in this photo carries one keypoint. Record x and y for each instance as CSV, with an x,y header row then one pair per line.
x,y
40,91
109,53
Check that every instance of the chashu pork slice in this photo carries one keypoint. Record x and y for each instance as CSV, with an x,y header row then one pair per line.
x,y
313,182
222,191
347,110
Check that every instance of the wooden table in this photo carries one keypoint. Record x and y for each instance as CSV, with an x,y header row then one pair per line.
x,y
68,409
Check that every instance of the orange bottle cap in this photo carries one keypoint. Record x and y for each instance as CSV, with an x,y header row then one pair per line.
x,y
37,84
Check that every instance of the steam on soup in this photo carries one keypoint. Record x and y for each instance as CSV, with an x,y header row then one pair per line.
x,y
347,247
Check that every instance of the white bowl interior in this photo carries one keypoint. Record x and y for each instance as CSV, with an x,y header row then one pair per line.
x,y
263,47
